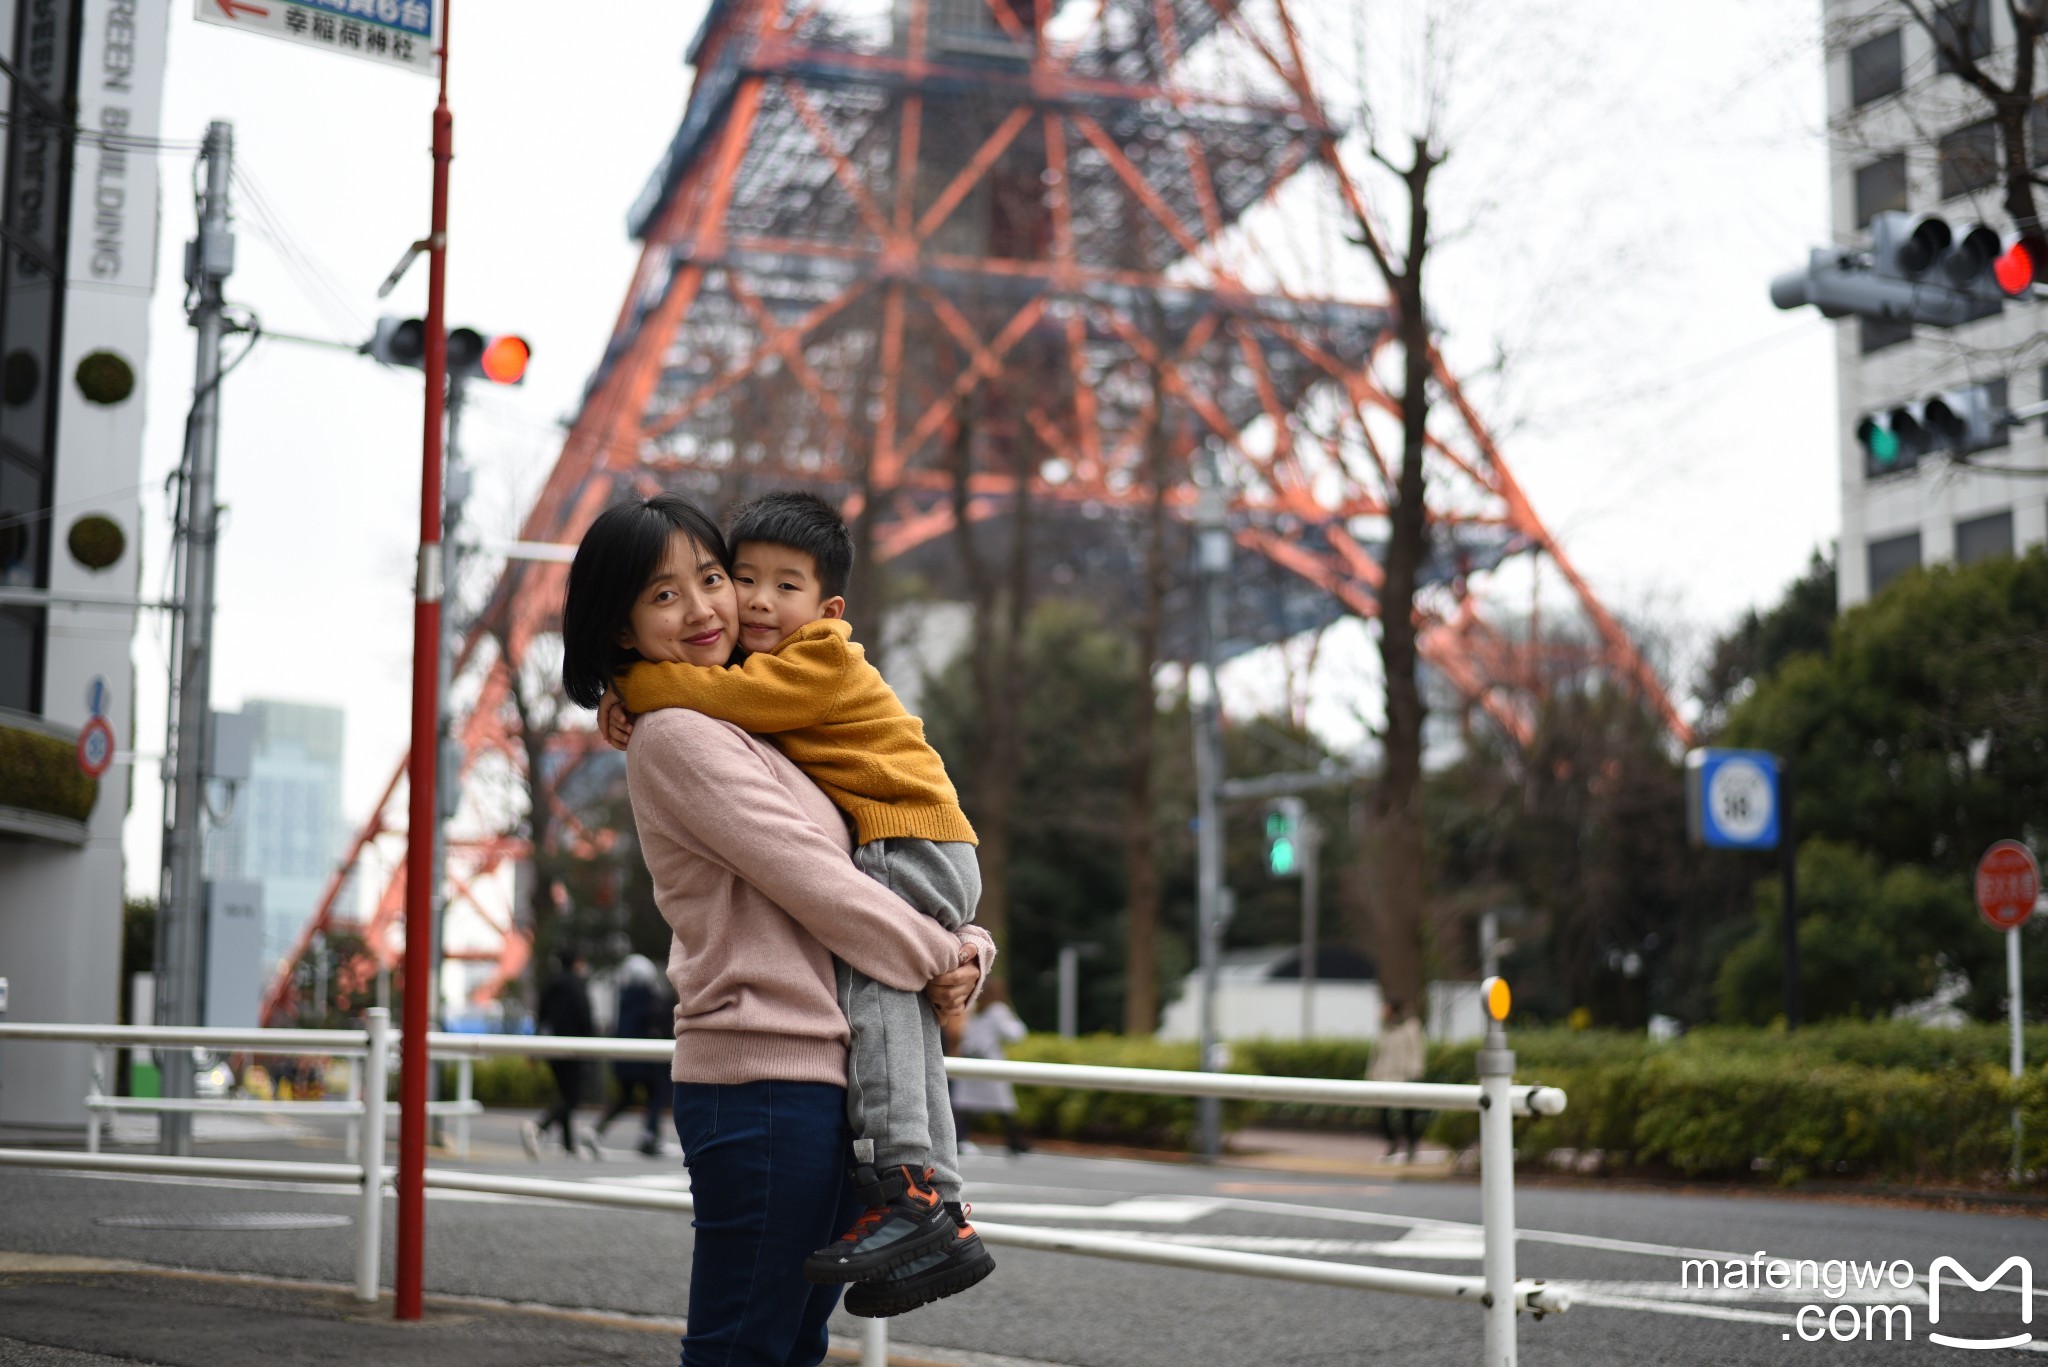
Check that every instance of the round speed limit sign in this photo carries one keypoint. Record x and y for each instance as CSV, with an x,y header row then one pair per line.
x,y
1742,799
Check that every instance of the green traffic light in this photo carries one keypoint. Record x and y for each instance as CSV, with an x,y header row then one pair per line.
x,y
1280,857
1884,445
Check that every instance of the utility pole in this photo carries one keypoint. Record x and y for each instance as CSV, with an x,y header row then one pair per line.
x,y
209,260
407,1301
1212,563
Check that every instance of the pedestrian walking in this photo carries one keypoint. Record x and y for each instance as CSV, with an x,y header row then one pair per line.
x,y
993,1025
1397,1056
644,1013
753,871
564,1010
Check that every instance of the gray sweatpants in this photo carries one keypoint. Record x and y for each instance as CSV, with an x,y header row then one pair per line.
x,y
896,1100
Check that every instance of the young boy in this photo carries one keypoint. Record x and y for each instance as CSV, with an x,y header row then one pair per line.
x,y
807,686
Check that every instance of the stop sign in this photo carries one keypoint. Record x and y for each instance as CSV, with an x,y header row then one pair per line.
x,y
2008,882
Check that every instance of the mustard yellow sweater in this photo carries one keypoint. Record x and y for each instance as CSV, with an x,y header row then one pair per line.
x,y
822,704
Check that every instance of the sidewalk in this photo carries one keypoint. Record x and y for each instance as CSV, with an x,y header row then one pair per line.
x,y
58,1311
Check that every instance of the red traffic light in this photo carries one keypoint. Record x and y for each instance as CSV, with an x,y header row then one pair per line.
x,y
504,359
2014,269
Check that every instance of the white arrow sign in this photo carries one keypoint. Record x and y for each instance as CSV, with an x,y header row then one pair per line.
x,y
403,33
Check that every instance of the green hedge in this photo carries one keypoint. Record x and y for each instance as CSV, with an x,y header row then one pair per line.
x,y
1113,1117
1895,1102
41,773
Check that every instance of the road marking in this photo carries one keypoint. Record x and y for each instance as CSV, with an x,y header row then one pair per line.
x,y
1410,1246
1144,1210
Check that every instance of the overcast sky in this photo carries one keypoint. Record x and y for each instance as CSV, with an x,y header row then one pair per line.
x,y
1628,187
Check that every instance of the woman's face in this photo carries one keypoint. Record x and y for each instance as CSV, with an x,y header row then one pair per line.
x,y
687,611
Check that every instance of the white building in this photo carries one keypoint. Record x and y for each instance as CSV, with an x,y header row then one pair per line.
x,y
76,272
284,827
1906,134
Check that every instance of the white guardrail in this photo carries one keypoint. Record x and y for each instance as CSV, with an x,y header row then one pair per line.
x,y
1497,1291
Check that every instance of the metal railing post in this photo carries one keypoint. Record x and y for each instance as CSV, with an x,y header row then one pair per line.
x,y
874,1343
1497,1182
465,1089
370,1213
99,1090
354,1145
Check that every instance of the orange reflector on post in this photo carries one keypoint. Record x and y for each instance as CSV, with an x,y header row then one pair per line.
x,y
1494,992
504,360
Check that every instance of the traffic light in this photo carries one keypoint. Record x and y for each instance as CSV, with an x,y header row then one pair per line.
x,y
1958,421
1283,836
501,359
1918,270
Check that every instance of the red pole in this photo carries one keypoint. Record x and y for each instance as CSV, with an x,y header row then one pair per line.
x,y
421,816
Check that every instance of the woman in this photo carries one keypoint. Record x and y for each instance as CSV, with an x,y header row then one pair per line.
x,y
993,1025
643,1014
752,872
1398,1056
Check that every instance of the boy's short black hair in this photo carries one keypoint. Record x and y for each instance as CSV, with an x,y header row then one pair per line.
x,y
618,555
803,522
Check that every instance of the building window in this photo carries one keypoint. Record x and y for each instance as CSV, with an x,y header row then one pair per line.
x,y
1876,69
1983,537
1891,558
1880,186
1969,159
1875,334
1962,26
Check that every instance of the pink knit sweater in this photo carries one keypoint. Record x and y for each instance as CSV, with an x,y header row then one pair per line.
x,y
752,874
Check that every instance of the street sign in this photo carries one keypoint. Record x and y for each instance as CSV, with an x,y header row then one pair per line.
x,y
402,33
1731,799
96,696
2008,885
96,747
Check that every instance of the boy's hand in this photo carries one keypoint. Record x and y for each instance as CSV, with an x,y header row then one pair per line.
x,y
614,720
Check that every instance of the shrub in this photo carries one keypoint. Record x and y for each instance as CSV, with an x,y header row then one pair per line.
x,y
41,773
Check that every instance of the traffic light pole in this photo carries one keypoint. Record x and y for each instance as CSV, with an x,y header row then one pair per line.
x,y
454,493
421,814
181,929
1311,861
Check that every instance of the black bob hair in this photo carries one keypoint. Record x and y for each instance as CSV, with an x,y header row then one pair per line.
x,y
803,522
622,551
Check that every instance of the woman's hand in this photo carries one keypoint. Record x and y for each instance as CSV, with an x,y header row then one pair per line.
x,y
952,990
614,720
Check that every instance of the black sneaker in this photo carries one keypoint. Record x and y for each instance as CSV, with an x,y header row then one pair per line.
x,y
944,1272
904,1219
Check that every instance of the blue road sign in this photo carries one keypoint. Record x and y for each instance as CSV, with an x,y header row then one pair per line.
x,y
96,696
1731,799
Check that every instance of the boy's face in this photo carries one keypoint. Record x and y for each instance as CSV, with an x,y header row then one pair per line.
x,y
779,592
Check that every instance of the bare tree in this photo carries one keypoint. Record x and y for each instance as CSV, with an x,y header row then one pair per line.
x,y
1957,30
1141,836
1397,832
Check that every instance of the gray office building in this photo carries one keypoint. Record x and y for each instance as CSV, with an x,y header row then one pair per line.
x,y
285,827
1907,133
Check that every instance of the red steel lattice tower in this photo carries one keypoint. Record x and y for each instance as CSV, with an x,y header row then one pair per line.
x,y
945,258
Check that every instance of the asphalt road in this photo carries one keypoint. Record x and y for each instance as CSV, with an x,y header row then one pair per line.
x,y
1620,1250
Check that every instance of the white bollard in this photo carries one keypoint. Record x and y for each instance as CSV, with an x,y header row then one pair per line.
x,y
1497,1177
874,1343
370,1213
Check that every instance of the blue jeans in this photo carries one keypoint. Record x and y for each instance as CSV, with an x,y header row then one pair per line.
x,y
767,1167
